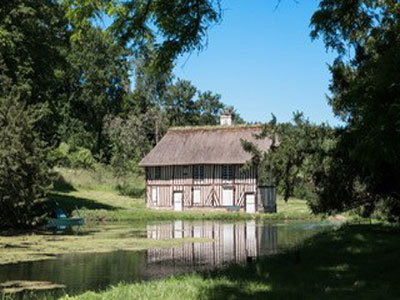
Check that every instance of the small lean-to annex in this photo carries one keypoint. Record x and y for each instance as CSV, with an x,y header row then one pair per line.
x,y
201,167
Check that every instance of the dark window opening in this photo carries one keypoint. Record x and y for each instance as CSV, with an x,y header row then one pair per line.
x,y
198,172
227,172
157,173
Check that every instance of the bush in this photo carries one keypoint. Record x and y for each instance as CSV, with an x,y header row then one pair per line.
x,y
130,190
24,166
75,157
59,156
82,158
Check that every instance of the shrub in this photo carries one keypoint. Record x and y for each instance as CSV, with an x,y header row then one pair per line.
x,y
130,190
82,158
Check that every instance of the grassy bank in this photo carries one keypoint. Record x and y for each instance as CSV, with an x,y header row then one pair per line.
x,y
100,197
354,262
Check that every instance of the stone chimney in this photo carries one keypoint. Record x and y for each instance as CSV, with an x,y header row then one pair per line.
x,y
225,119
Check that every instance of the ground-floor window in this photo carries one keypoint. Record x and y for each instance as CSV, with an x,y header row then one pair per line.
x,y
196,196
155,195
227,196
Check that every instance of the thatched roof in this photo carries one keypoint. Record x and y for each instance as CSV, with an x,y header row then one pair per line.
x,y
204,145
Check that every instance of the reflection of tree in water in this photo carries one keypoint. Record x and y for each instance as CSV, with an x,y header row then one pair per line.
x,y
233,243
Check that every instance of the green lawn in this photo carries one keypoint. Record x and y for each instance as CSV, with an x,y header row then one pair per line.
x,y
98,198
103,205
354,262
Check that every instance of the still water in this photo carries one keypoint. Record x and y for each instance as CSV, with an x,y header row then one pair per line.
x,y
231,243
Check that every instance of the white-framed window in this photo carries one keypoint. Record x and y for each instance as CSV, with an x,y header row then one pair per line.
x,y
198,172
196,196
227,172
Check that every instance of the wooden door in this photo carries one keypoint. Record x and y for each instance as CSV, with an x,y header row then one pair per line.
x,y
250,203
178,201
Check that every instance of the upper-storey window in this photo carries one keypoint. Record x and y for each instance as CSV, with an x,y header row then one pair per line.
x,y
157,173
198,172
227,172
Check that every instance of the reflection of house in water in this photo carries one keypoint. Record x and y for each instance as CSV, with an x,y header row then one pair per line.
x,y
233,243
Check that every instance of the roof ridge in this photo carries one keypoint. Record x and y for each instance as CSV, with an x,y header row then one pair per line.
x,y
215,127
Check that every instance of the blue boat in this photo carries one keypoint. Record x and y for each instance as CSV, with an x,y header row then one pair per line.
x,y
62,220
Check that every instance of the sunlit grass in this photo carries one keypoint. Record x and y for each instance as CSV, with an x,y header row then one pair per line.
x,y
98,199
324,267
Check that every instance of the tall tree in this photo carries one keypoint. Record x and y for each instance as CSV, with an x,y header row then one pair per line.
x,y
174,26
299,152
98,80
33,34
24,167
180,104
366,96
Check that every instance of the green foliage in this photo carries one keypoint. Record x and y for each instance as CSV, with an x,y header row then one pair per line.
x,y
76,157
81,158
366,96
98,81
177,26
33,34
24,169
75,78
298,151
126,189
129,141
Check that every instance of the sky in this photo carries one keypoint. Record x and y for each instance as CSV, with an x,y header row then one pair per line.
x,y
262,61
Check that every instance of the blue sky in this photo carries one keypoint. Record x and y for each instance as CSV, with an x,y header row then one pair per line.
x,y
263,61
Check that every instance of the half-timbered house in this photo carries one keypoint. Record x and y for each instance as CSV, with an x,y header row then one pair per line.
x,y
201,167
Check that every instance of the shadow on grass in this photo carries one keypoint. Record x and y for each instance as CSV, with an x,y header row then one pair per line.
x,y
61,185
70,203
356,262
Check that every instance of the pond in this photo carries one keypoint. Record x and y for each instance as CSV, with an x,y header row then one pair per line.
x,y
226,243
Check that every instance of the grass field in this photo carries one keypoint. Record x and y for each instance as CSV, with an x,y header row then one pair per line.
x,y
353,262
99,197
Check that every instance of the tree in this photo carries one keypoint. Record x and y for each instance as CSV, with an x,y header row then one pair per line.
x,y
180,104
366,96
210,107
33,34
97,82
24,167
129,140
149,94
173,27
298,153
